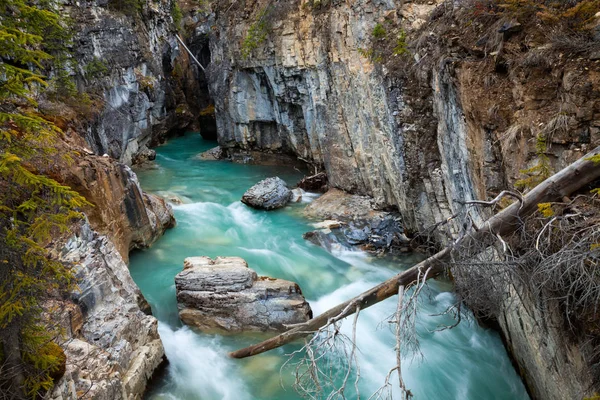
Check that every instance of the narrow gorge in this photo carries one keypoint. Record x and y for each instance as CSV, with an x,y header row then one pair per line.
x,y
407,112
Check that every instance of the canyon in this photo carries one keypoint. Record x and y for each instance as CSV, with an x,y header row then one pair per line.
x,y
420,132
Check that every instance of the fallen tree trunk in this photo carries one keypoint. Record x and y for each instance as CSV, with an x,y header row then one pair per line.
x,y
572,178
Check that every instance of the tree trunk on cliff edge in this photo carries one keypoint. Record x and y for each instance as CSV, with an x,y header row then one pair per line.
x,y
574,177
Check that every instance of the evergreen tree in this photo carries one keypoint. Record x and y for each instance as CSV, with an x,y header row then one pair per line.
x,y
34,208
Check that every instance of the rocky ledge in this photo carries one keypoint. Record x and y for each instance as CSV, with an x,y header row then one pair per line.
x,y
224,295
352,220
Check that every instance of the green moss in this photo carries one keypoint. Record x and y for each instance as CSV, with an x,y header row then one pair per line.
x,y
595,158
546,209
208,111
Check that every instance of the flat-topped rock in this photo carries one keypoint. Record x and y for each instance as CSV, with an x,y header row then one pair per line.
x,y
224,295
268,194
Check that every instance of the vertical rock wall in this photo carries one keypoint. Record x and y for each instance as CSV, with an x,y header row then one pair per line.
x,y
309,91
112,345
131,66
450,128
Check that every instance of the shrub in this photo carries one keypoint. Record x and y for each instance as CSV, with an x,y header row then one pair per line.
x,y
95,68
379,32
177,15
257,34
539,172
401,45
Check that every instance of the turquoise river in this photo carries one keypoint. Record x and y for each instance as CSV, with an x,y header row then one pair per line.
x,y
467,362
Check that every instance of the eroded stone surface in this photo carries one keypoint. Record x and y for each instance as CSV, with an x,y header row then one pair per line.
x,y
353,220
268,194
112,344
224,295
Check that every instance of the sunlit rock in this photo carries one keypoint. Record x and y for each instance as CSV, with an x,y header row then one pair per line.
x,y
224,295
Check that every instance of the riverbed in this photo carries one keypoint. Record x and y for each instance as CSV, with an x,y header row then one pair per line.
x,y
466,362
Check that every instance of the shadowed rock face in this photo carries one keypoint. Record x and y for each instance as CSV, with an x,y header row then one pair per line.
x,y
268,194
224,295
352,220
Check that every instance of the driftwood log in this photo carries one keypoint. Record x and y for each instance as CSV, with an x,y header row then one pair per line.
x,y
572,178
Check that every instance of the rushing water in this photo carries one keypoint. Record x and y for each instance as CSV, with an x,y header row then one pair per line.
x,y
467,362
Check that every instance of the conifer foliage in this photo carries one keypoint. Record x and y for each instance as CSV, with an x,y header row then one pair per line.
x,y
34,208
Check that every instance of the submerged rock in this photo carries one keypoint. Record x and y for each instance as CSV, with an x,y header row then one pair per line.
x,y
268,194
224,295
214,154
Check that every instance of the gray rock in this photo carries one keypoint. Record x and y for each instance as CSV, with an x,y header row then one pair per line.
x,y
112,344
268,194
216,153
352,220
224,295
297,195
144,155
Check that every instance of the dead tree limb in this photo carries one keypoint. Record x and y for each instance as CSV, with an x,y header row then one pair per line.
x,y
570,179
190,53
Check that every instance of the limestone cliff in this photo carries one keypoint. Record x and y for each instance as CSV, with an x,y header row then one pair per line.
x,y
309,91
110,338
456,117
112,345
129,64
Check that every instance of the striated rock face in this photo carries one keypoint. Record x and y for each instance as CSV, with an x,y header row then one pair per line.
x,y
309,92
268,194
224,295
459,124
112,344
122,211
125,63
539,344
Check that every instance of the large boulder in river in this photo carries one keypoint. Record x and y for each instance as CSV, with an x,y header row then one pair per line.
x,y
224,295
268,194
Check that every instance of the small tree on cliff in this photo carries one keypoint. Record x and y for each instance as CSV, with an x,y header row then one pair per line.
x,y
34,208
